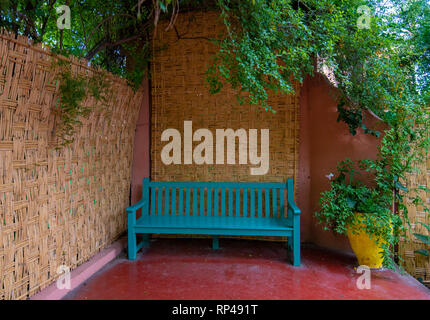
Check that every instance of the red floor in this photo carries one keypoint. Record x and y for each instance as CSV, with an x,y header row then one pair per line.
x,y
254,270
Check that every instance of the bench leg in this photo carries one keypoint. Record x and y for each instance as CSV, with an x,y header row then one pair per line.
x,y
290,244
146,239
215,242
132,244
132,249
296,241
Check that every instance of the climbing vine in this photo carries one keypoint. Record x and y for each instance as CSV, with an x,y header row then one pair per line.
x,y
73,90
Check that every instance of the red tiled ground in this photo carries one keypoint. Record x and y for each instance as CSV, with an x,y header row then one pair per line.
x,y
254,270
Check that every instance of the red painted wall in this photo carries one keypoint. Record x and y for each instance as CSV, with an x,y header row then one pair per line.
x,y
323,142
142,138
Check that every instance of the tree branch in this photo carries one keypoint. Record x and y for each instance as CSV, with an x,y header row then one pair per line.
x,y
45,22
82,21
103,21
107,44
181,36
30,28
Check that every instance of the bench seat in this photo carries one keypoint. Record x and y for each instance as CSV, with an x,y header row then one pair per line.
x,y
214,226
213,222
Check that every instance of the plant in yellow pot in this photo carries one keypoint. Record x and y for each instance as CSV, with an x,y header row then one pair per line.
x,y
367,248
362,214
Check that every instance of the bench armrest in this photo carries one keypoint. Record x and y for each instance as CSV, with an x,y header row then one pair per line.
x,y
293,207
135,206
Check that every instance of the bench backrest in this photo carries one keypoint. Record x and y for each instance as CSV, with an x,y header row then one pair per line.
x,y
217,198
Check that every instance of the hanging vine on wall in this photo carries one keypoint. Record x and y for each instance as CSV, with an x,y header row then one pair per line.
x,y
73,90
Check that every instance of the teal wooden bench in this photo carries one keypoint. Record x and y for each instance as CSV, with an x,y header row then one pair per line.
x,y
163,212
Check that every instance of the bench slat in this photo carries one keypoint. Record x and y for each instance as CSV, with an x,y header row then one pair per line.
x,y
267,200
223,202
240,231
249,221
245,202
209,202
153,201
274,203
187,202
195,201
173,213
166,201
216,213
237,202
282,203
216,221
260,203
252,203
202,202
181,202
160,201
230,202
254,185
145,196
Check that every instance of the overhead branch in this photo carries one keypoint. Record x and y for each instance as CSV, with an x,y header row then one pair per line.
x,y
182,36
30,28
45,21
103,44
105,20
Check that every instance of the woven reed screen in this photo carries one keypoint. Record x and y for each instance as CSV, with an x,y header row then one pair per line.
x,y
180,93
416,264
57,206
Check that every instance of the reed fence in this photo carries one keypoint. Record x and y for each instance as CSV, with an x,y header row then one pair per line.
x,y
58,205
416,264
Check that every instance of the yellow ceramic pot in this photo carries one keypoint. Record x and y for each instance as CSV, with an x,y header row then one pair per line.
x,y
367,251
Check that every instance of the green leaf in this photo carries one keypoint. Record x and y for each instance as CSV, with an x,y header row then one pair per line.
x,y
423,238
401,186
351,203
425,225
424,188
424,252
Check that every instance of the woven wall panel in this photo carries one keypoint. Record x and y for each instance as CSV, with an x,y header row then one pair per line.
x,y
416,264
57,206
180,93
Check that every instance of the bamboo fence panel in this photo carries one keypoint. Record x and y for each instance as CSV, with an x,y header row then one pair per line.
x,y
58,205
180,93
414,263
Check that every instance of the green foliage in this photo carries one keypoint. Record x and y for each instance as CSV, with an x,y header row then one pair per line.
x,y
403,146
423,252
140,67
267,45
106,32
100,30
425,239
73,90
270,44
353,118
